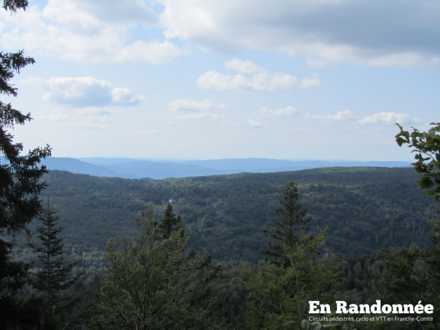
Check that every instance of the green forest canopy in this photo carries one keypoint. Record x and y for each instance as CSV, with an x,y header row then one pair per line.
x,y
367,208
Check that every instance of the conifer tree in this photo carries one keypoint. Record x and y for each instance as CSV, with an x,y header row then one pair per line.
x,y
54,275
20,175
170,222
151,283
294,274
290,226
15,4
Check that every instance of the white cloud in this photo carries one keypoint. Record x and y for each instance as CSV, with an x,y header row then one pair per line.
x,y
196,109
346,115
322,31
254,123
91,117
88,92
280,112
125,11
124,96
310,82
342,115
372,118
385,118
243,66
150,52
249,76
90,31
258,82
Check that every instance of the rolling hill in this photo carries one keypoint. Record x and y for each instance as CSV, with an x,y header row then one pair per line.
x,y
362,209
77,166
162,169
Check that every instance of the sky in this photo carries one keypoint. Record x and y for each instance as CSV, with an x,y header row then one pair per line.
x,y
205,79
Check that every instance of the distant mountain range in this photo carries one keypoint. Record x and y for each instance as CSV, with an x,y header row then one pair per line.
x,y
155,169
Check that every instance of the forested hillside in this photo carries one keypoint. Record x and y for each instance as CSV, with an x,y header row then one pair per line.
x,y
364,208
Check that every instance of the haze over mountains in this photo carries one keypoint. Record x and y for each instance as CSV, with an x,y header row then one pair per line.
x,y
160,169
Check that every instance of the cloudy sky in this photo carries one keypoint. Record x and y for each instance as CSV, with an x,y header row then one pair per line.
x,y
292,79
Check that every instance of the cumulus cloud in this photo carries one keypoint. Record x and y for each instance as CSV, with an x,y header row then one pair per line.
x,y
92,31
196,109
150,52
124,96
321,30
88,92
385,118
243,66
247,75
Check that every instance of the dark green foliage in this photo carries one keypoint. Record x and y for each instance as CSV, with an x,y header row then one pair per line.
x,y
406,275
426,147
20,183
170,222
290,227
393,276
19,174
294,273
434,258
278,296
152,283
14,4
192,293
227,215
54,273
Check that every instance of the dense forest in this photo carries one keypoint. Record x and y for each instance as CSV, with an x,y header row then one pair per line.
x,y
367,209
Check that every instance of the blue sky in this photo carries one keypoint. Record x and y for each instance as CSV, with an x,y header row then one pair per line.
x,y
315,79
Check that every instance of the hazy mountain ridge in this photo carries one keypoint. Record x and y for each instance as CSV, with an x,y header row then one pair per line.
x,y
78,167
161,169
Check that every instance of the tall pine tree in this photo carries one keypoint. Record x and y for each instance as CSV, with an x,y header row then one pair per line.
x,y
20,176
294,272
170,222
289,227
54,273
